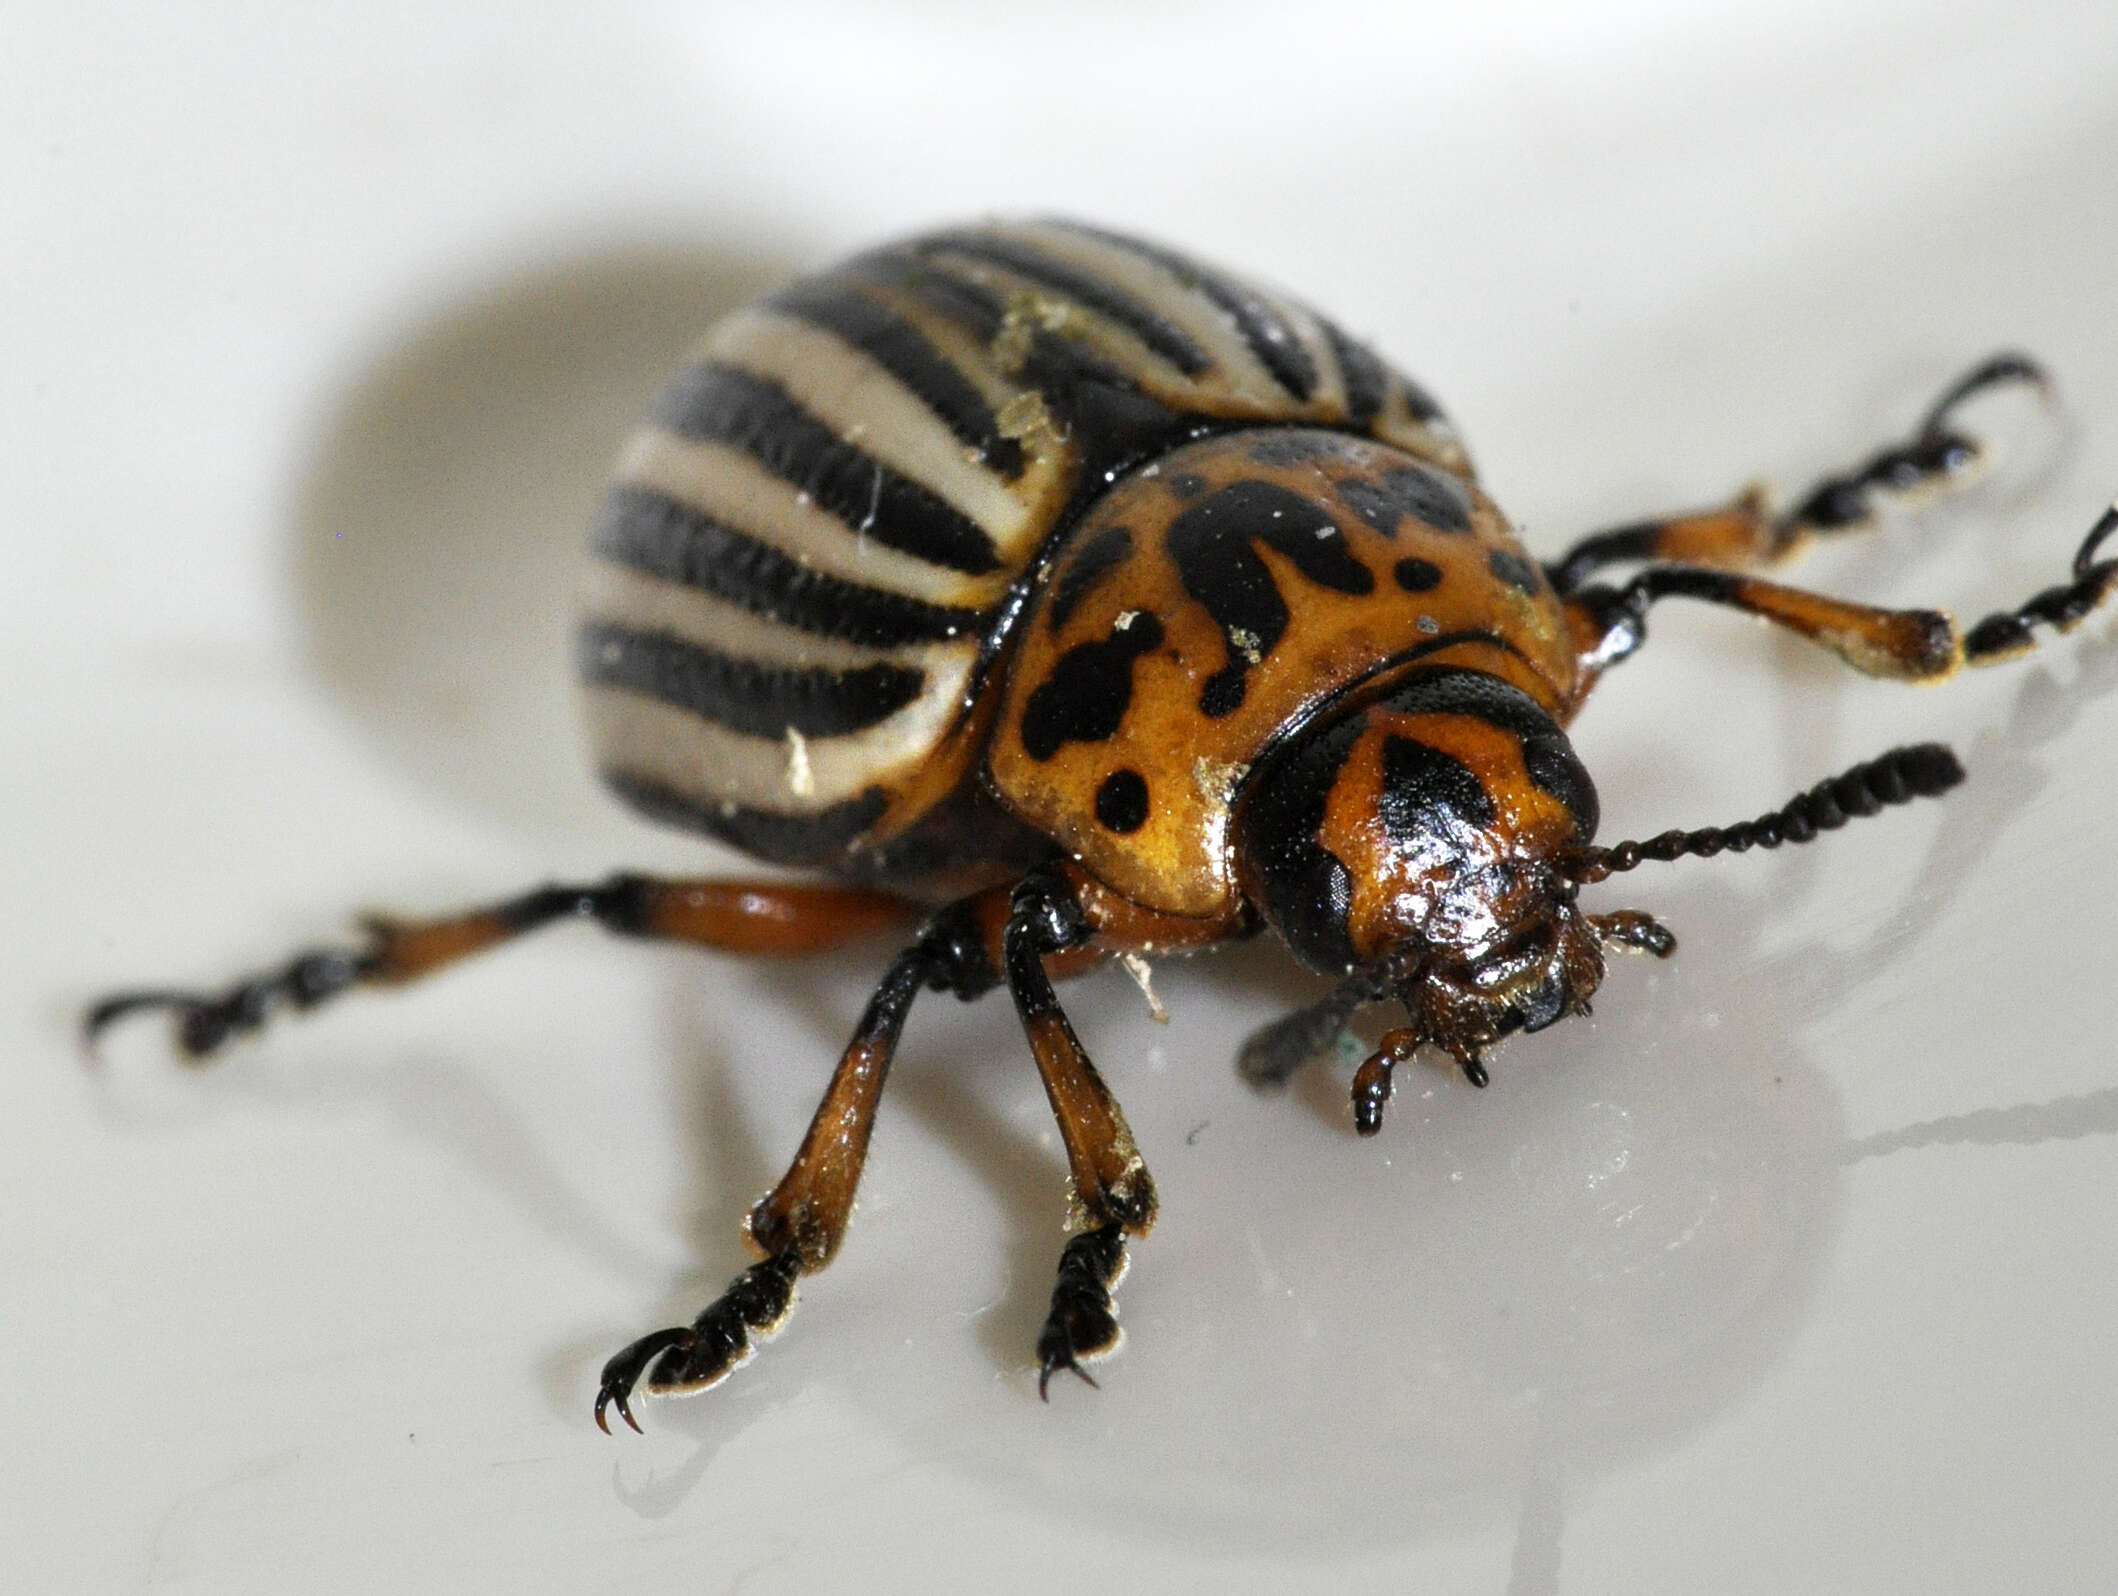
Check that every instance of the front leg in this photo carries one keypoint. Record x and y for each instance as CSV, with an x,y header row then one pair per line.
x,y
800,1223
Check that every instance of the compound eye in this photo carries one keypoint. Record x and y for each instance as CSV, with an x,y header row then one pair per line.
x,y
1553,765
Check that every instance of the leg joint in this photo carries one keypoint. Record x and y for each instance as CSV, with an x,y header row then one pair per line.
x,y
1046,914
952,952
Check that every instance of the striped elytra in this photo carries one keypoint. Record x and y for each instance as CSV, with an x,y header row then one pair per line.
x,y
1072,600
813,569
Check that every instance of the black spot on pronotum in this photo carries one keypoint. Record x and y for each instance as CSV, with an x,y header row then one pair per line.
x,y
1415,575
1513,569
1211,544
1121,802
1085,698
1085,570
1427,496
1185,484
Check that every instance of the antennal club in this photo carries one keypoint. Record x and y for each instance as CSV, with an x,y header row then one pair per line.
x,y
1923,770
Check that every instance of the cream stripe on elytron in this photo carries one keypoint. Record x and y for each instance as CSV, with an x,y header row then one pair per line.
x,y
867,406
1434,440
1212,328
1047,475
630,598
642,737
732,487
1330,395
1033,307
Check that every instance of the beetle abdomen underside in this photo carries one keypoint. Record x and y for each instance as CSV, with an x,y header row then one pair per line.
x,y
813,551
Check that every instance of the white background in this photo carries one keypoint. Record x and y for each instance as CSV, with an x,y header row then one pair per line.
x,y
1793,1269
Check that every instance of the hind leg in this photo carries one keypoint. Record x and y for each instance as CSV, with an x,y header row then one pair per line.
x,y
757,917
1745,532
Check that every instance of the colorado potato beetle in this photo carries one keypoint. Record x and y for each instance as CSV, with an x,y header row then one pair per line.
x,y
1071,599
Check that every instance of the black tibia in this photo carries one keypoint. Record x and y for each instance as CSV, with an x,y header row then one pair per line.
x,y
1113,1195
1743,534
1274,1052
1923,770
800,1223
739,916
1083,1322
2009,633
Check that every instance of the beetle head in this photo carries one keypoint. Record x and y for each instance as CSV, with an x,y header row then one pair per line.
x,y
1424,832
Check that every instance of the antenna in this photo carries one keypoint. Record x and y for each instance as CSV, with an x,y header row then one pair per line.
x,y
1923,770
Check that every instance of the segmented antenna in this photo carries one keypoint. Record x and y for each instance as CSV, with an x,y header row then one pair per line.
x,y
1924,770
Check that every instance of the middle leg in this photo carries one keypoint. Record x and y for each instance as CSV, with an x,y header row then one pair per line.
x,y
1908,645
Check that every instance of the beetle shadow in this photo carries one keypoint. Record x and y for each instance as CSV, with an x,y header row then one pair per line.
x,y
1506,1296
438,524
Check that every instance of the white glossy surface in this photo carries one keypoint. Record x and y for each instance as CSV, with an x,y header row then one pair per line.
x,y
1793,1269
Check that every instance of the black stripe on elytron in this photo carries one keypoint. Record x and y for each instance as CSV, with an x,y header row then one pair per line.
x,y
1367,379
1306,888
1269,334
1547,754
900,349
1136,316
821,838
744,695
723,404
655,534
978,311
1417,400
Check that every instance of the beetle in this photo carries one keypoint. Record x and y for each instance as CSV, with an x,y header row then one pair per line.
x,y
1067,599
